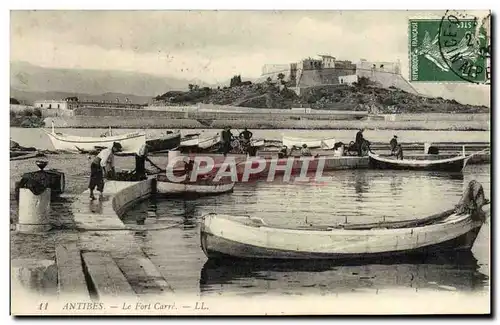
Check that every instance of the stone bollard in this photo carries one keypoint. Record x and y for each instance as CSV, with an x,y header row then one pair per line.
x,y
34,211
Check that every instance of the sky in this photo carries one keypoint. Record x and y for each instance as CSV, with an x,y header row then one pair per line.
x,y
209,45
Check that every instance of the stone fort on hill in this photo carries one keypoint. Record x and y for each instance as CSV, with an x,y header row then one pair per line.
x,y
327,70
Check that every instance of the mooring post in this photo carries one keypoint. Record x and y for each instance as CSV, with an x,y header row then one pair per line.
x,y
34,211
34,203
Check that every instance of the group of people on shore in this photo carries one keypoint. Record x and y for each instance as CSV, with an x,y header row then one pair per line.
x,y
363,145
227,138
103,166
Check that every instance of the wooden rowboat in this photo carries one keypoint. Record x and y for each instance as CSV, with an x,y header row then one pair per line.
x,y
245,237
455,164
326,143
205,143
166,142
130,142
190,140
194,140
200,187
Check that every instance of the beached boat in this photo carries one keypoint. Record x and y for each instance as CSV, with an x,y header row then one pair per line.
x,y
198,142
326,143
200,187
224,236
190,140
165,142
455,164
130,142
206,143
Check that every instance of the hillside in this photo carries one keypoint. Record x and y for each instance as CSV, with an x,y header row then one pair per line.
x,y
365,95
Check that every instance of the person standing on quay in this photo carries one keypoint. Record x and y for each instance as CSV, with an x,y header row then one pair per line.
x,y
227,137
103,164
140,161
393,143
359,142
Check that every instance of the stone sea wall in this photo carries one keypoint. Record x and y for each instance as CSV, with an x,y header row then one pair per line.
x,y
264,122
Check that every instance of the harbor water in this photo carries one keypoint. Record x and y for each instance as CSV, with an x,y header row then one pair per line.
x,y
356,196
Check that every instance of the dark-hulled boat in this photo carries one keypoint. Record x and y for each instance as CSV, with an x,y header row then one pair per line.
x,y
455,164
199,187
165,142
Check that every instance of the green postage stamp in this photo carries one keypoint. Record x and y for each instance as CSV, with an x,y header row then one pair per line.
x,y
454,48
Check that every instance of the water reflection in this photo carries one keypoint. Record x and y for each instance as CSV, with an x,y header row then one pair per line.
x,y
361,184
442,272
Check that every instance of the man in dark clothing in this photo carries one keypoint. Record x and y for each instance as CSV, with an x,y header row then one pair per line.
x,y
227,137
246,135
399,152
393,143
359,141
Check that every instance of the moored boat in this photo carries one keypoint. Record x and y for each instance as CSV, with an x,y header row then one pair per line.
x,y
190,140
130,142
454,164
165,142
225,236
209,142
196,143
200,187
326,143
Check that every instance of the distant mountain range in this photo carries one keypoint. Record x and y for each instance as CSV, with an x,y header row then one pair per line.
x,y
29,82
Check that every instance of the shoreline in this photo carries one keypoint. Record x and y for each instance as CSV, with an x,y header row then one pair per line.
x,y
162,123
266,127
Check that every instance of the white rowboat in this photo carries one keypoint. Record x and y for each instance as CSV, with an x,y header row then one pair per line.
x,y
206,143
202,143
327,143
130,142
245,237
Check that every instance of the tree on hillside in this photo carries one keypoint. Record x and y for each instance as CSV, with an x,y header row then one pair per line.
x,y
191,87
269,80
14,101
235,81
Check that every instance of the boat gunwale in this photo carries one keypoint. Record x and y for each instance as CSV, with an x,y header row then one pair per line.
x,y
454,219
292,139
416,162
166,136
127,136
